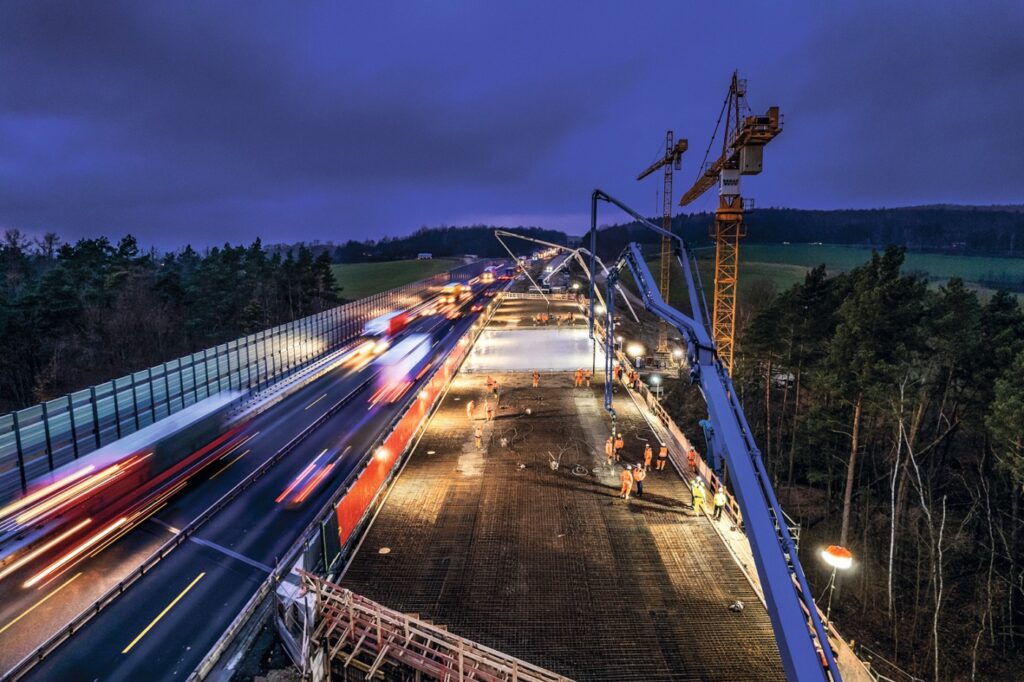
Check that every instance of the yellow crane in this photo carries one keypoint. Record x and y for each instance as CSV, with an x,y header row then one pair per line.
x,y
743,142
672,160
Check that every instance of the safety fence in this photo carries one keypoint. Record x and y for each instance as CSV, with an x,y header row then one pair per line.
x,y
40,438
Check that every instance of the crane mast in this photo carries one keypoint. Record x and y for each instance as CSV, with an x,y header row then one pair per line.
x,y
743,144
672,160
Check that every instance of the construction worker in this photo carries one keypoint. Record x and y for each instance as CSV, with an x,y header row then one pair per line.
x,y
470,406
648,456
639,474
691,459
490,410
478,433
720,501
587,376
662,458
494,389
619,445
490,382
536,378
697,491
609,450
578,378
627,483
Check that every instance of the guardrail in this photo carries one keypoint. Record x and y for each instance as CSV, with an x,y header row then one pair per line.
x,y
308,535
50,645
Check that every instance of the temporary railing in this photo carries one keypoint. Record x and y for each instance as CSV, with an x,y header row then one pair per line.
x,y
361,633
40,438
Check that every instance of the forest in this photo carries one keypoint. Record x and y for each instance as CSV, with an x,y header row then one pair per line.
x,y
891,419
73,315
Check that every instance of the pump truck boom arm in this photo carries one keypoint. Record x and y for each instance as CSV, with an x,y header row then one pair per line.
x,y
799,632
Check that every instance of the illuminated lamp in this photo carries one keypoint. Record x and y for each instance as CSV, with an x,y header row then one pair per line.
x,y
837,557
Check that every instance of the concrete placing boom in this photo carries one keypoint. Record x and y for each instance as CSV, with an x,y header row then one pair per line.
x,y
743,144
799,633
672,160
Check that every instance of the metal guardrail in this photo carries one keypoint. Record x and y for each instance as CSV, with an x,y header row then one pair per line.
x,y
284,565
50,645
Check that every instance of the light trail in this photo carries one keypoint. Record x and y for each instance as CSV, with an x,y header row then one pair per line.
x,y
75,553
47,505
313,483
298,479
40,550
43,492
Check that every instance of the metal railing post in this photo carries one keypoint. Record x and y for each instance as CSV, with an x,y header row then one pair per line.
x,y
21,453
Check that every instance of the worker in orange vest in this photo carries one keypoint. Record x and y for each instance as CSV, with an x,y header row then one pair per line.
x,y
619,445
662,457
627,483
536,378
691,459
470,406
609,450
490,411
648,456
638,479
579,378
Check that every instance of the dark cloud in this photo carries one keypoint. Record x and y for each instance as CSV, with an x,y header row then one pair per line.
x,y
222,121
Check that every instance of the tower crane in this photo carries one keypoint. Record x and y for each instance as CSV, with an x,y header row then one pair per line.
x,y
672,160
743,142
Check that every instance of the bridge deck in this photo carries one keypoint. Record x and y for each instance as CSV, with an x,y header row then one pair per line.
x,y
551,566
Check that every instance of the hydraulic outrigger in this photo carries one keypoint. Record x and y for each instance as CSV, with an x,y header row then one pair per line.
x,y
799,632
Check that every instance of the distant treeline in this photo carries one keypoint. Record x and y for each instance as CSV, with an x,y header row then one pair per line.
x,y
73,315
969,230
438,241
995,231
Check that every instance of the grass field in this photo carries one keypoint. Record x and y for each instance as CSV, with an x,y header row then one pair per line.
x,y
783,265
363,279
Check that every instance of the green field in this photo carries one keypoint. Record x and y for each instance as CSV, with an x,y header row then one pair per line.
x,y
784,265
363,279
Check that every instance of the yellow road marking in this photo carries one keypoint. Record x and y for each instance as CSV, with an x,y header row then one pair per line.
x,y
316,401
39,603
224,468
163,613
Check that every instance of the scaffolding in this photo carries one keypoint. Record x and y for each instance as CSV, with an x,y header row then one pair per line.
x,y
362,634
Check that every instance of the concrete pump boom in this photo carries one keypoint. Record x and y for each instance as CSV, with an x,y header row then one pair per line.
x,y
799,633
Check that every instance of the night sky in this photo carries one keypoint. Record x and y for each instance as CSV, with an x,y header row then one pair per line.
x,y
228,121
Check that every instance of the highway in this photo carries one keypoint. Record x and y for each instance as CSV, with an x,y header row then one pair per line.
x,y
164,624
